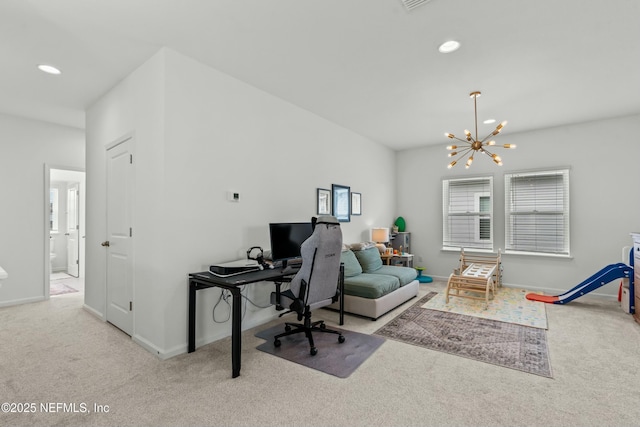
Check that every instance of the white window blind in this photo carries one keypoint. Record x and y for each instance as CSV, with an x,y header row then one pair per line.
x,y
537,212
467,206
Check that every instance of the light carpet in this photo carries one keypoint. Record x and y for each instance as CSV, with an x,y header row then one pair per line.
x,y
503,344
508,305
338,359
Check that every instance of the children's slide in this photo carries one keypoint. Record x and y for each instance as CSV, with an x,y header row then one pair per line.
x,y
601,278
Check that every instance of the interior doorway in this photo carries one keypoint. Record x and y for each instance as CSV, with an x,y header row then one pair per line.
x,y
65,225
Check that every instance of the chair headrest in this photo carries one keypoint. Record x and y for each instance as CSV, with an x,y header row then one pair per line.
x,y
327,219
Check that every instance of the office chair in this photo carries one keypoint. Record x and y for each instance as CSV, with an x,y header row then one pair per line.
x,y
315,285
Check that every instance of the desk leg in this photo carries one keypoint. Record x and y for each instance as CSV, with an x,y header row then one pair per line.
x,y
192,317
236,332
341,284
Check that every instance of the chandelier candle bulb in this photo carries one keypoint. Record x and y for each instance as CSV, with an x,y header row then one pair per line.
x,y
452,147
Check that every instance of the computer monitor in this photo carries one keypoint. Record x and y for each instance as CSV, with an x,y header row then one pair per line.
x,y
286,238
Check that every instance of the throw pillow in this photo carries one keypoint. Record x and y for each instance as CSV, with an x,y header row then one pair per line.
x,y
351,265
369,259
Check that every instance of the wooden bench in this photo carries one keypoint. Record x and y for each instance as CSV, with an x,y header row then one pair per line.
x,y
477,274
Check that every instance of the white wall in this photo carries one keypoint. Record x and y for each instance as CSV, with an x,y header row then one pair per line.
x,y
198,134
25,147
603,157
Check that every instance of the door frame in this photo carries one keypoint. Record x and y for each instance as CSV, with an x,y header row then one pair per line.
x,y
47,241
75,187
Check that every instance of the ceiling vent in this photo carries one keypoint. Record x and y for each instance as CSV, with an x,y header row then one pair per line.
x,y
412,4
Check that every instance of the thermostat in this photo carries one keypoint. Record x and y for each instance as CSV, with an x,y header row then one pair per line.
x,y
233,196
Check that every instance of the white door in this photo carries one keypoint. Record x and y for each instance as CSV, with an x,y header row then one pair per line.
x,y
119,232
73,228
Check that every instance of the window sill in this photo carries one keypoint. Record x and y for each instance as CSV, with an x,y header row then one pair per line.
x,y
538,254
481,251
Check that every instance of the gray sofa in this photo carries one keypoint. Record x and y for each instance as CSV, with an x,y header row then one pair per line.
x,y
372,288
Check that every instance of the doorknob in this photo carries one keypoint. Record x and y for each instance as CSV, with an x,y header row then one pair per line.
x,y
105,243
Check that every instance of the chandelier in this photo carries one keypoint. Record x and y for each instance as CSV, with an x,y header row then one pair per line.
x,y
475,145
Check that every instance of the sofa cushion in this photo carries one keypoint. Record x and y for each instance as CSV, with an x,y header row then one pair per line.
x,y
370,285
351,265
369,259
404,274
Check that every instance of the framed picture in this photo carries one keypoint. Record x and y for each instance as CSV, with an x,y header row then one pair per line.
x,y
356,204
324,201
341,195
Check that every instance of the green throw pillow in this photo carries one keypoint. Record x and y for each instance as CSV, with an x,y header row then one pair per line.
x,y
369,259
351,265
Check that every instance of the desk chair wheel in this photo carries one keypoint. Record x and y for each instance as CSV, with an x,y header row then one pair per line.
x,y
276,343
313,351
341,339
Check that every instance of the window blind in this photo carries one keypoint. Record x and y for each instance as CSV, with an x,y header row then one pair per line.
x,y
537,212
467,213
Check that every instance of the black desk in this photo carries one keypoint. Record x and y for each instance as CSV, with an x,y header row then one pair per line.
x,y
205,280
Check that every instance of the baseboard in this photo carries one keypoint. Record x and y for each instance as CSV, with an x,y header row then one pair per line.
x,y
543,290
144,343
22,301
94,312
164,354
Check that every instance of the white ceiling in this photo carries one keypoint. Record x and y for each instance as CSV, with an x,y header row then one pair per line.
x,y
368,65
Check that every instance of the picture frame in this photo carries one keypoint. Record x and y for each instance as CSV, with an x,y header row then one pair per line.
x,y
324,201
356,203
341,197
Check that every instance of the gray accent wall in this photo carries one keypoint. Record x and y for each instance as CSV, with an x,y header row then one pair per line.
x,y
605,201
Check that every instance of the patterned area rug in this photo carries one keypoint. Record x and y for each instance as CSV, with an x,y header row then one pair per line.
x,y
504,344
59,288
333,358
509,305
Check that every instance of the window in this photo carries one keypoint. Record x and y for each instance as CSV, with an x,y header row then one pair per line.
x,y
537,212
467,213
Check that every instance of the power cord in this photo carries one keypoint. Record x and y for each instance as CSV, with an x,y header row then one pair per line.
x,y
225,295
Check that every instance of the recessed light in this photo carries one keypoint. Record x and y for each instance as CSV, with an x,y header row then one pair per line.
x,y
489,121
449,46
49,69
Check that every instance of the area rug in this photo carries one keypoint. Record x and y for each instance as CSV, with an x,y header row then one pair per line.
x,y
504,344
333,358
59,288
508,305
